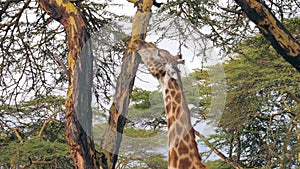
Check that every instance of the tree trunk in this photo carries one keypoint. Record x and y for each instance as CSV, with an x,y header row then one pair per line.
x,y
118,111
78,101
279,37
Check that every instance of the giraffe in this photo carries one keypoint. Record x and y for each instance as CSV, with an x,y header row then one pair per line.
x,y
182,151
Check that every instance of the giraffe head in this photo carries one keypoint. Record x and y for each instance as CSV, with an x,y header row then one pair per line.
x,y
159,62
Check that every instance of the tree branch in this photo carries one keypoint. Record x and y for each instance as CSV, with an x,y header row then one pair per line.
x,y
18,135
217,152
45,124
273,30
36,162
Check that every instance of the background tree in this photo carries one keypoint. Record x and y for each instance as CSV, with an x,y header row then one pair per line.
x,y
29,67
33,134
260,124
225,25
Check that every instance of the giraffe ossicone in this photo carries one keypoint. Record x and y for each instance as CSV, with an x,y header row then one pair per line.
x,y
183,151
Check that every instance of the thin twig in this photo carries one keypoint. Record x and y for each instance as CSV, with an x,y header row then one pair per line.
x,y
18,135
61,63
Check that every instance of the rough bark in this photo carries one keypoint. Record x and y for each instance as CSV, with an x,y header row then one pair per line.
x,y
112,137
78,101
273,30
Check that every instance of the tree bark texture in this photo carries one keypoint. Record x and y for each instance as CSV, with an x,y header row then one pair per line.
x,y
112,137
274,31
78,101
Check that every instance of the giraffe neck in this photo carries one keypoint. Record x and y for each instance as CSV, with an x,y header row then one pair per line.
x,y
183,151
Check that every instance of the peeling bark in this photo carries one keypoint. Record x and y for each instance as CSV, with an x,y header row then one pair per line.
x,y
274,31
78,101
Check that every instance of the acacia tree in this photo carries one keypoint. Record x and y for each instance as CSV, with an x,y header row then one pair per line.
x,y
80,77
226,25
27,64
259,127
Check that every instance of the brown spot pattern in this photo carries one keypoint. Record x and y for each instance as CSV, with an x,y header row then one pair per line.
x,y
173,155
166,91
174,106
184,163
183,149
178,98
177,112
173,92
168,108
171,121
170,85
187,138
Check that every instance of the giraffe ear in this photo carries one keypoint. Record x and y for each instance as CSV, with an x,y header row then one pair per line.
x,y
179,59
171,71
